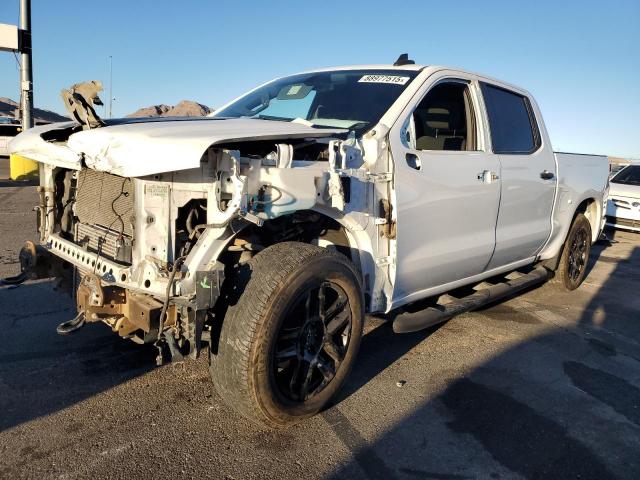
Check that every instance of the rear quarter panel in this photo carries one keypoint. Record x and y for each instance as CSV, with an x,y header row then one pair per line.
x,y
580,178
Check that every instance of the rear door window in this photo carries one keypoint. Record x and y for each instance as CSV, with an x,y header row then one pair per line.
x,y
511,120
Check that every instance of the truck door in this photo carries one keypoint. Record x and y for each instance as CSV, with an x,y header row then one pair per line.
x,y
447,190
528,175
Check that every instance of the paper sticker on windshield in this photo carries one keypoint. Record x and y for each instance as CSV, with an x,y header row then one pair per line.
x,y
395,79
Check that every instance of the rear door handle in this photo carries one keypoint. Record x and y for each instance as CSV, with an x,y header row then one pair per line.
x,y
546,175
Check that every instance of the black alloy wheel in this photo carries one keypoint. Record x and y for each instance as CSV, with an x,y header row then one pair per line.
x,y
575,253
290,333
312,342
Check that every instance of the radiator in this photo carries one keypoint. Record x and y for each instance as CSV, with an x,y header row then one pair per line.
x,y
109,243
105,211
105,200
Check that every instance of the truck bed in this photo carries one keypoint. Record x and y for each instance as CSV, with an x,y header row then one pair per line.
x,y
579,176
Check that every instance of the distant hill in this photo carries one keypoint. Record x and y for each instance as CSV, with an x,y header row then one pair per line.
x,y
153,111
185,108
621,161
8,108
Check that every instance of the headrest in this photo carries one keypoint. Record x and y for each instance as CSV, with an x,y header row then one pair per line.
x,y
445,115
438,118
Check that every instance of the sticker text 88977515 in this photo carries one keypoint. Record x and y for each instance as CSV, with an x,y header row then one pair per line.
x,y
394,79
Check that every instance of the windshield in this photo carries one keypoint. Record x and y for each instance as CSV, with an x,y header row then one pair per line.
x,y
351,99
628,176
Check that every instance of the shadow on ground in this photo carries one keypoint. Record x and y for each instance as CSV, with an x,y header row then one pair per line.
x,y
551,407
561,402
42,372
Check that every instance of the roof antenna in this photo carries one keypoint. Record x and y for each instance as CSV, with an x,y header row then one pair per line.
x,y
403,59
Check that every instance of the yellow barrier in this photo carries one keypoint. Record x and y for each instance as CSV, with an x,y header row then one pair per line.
x,y
21,168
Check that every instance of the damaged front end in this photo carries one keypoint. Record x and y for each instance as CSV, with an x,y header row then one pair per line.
x,y
144,237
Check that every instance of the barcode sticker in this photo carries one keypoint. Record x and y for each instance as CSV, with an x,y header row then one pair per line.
x,y
394,79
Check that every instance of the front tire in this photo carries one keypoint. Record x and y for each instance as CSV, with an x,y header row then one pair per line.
x,y
288,343
575,254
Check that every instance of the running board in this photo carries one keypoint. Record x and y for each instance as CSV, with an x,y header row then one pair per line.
x,y
412,322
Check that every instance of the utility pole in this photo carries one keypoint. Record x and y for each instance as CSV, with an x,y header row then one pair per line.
x,y
110,86
26,72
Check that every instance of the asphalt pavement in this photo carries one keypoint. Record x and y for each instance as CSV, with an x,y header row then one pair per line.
x,y
544,385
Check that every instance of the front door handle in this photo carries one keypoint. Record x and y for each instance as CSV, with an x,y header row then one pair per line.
x,y
413,161
546,175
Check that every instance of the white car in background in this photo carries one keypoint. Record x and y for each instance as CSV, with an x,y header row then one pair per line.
x,y
623,207
8,130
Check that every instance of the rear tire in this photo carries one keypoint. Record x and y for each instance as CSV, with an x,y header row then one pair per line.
x,y
289,341
575,254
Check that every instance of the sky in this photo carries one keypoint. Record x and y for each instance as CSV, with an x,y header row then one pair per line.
x,y
580,59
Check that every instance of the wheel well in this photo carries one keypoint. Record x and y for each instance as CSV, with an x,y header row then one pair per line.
x,y
306,226
589,208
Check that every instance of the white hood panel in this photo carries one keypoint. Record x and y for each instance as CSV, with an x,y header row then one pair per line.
x,y
622,190
30,144
147,148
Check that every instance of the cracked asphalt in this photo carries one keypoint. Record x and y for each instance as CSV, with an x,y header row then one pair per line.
x,y
544,385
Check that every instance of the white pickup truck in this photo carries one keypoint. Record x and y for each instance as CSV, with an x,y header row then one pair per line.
x,y
271,229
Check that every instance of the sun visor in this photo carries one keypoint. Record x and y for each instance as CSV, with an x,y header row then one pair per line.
x,y
294,92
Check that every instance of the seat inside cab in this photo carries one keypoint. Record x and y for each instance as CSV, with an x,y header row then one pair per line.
x,y
443,119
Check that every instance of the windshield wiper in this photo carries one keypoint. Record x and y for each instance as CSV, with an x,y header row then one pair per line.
x,y
270,117
309,123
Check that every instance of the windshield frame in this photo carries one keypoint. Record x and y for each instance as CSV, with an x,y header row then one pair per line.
x,y
414,75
